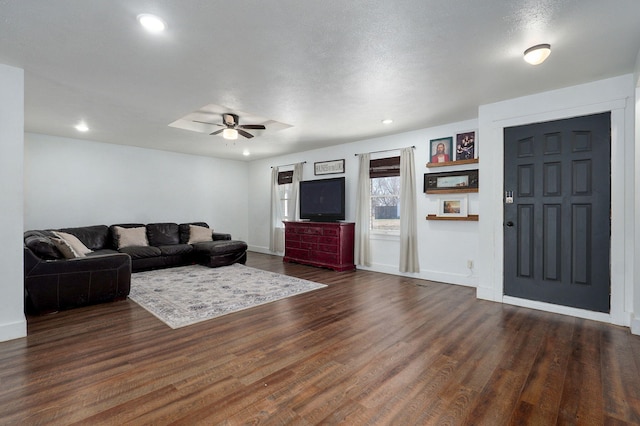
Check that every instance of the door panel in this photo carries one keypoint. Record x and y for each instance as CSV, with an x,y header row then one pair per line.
x,y
557,229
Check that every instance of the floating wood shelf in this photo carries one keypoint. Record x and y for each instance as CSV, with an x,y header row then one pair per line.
x,y
451,190
453,163
470,218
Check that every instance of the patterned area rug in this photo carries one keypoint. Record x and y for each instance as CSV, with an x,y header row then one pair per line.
x,y
189,294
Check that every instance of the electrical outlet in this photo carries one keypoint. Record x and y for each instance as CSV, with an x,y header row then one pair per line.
x,y
470,264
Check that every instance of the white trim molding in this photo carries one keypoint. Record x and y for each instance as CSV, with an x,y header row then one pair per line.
x,y
592,98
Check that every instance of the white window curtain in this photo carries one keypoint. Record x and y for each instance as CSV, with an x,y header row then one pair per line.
x,y
275,234
297,177
408,213
363,214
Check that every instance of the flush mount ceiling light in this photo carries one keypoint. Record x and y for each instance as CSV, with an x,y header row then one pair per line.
x,y
151,23
82,127
231,134
387,121
537,54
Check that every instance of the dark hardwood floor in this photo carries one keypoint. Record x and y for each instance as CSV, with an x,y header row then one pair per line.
x,y
369,349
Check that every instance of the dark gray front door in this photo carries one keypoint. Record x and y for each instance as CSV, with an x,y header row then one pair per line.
x,y
557,212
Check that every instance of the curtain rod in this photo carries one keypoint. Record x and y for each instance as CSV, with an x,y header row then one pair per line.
x,y
385,150
292,164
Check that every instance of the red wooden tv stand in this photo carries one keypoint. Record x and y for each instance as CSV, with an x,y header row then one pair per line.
x,y
323,244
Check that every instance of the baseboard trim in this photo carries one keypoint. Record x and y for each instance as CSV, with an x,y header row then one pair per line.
x,y
635,325
14,330
558,309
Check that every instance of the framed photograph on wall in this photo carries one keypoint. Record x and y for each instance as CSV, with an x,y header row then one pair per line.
x,y
458,181
441,150
466,146
452,206
328,167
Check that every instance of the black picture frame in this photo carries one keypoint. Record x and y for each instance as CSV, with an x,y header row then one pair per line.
x,y
466,146
457,181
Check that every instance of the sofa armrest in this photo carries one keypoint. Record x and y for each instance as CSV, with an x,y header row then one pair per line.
x,y
217,236
53,285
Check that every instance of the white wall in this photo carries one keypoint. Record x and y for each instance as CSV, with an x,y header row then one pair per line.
x,y
615,95
444,246
71,182
12,320
635,321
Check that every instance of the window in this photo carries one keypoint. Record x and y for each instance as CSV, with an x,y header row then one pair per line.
x,y
384,174
285,189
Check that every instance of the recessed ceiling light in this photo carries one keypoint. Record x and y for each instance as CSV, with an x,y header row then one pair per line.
x,y
151,23
536,55
82,127
387,121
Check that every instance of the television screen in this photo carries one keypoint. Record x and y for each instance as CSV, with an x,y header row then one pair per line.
x,y
322,200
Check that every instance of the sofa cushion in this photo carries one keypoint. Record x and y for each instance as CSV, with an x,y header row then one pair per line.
x,y
141,252
78,248
162,234
113,235
41,245
130,237
175,249
185,230
199,234
64,248
95,237
220,247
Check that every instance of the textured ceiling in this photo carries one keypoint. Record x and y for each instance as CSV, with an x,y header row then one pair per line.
x,y
332,70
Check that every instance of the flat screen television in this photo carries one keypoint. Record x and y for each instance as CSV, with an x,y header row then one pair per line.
x,y
322,200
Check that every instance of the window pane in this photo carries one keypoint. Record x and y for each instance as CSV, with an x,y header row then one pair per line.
x,y
385,203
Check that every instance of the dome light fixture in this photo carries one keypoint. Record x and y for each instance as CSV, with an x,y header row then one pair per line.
x,y
537,54
231,134
151,23
82,127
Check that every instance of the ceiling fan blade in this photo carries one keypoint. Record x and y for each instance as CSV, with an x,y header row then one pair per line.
x,y
252,126
216,132
206,122
245,134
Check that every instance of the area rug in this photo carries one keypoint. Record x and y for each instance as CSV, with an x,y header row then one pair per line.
x,y
190,294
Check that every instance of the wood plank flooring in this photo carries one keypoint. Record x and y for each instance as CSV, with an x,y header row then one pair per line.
x,y
369,349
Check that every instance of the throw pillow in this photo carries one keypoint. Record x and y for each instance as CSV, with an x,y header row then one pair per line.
x,y
131,237
64,248
199,234
79,249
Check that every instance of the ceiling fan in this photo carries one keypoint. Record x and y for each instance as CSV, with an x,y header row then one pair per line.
x,y
232,127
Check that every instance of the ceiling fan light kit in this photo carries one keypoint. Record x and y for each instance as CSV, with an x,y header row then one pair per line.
x,y
537,54
231,134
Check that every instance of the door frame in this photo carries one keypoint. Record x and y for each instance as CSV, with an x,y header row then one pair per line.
x,y
570,102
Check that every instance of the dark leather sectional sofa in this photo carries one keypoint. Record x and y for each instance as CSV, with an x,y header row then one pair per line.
x,y
53,282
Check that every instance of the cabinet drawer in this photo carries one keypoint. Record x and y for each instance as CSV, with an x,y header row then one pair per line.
x,y
297,253
290,236
330,231
328,248
311,230
309,238
293,243
328,240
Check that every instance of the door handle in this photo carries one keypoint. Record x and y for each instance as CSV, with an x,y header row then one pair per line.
x,y
509,224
